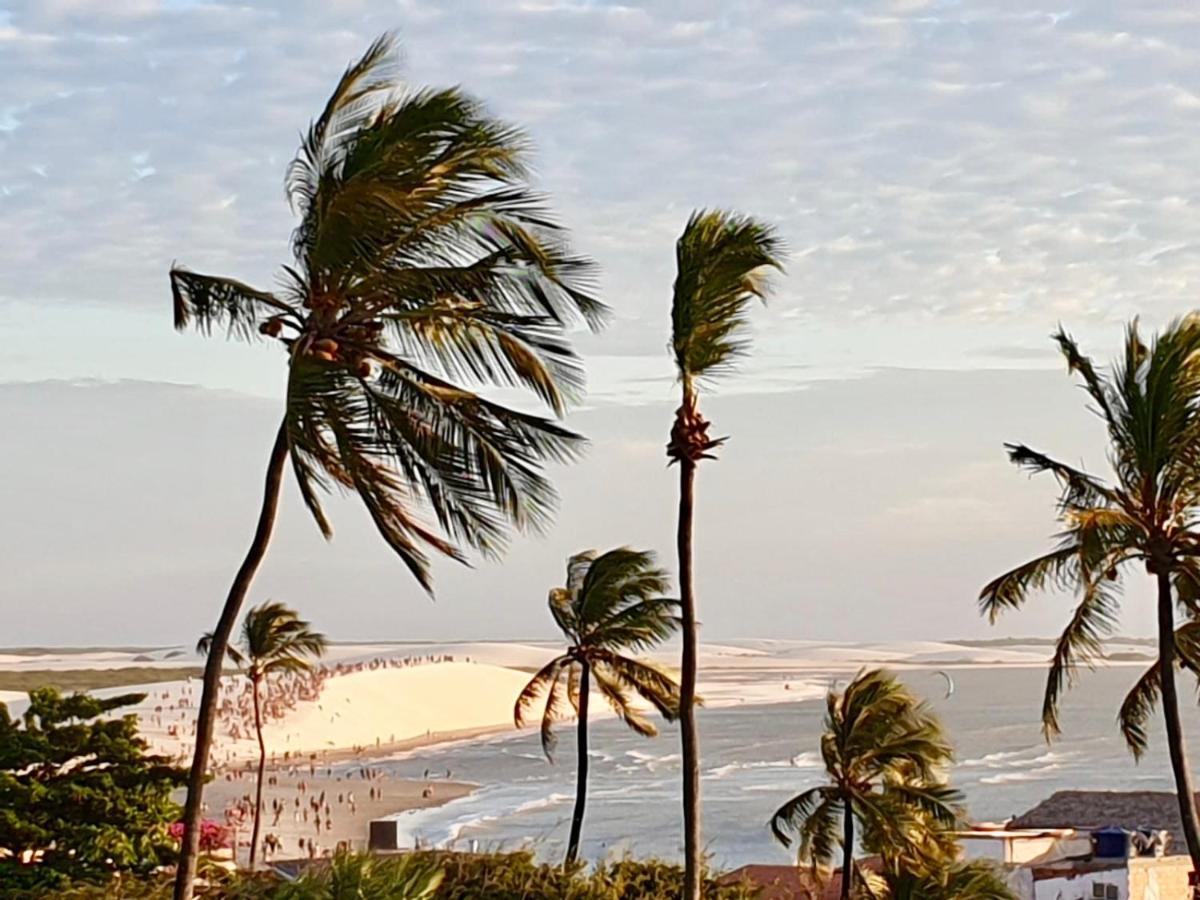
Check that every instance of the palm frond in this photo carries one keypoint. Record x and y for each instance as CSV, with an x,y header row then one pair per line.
x,y
1081,642
546,679
721,259
1095,385
1137,708
204,645
617,579
1078,488
208,301
1058,568
1142,699
615,692
351,106
788,821
650,682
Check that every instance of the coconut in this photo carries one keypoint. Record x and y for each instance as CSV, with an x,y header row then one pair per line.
x,y
321,354
271,327
363,369
325,345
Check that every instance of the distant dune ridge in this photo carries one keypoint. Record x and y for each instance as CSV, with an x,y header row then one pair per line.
x,y
474,694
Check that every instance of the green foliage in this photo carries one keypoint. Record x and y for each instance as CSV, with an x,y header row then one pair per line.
x,y
424,266
274,639
611,603
78,790
517,876
428,875
1149,403
721,262
361,876
884,753
976,880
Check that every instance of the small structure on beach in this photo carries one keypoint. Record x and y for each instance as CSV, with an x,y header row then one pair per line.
x,y
1090,845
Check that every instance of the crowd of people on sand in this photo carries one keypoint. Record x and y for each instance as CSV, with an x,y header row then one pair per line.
x,y
175,715
308,807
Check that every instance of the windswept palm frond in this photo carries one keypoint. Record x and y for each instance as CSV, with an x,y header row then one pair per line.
x,y
1012,589
276,639
1081,643
1143,697
273,639
204,645
207,302
789,820
722,259
617,692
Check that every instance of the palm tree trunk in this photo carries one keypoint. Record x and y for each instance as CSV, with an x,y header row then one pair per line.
x,y
687,688
262,764
206,715
847,852
1175,738
581,778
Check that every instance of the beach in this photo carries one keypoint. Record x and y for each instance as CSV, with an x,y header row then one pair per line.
x,y
432,723
311,812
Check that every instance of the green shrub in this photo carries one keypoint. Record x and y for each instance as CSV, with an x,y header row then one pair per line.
x,y
363,876
424,875
518,876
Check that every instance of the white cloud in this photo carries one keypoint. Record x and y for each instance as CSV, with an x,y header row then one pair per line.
x,y
995,162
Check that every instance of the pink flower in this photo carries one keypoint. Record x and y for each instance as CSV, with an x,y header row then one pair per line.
x,y
213,835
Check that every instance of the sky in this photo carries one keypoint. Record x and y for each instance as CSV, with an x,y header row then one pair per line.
x,y
952,179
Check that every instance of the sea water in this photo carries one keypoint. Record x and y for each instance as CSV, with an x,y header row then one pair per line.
x,y
757,756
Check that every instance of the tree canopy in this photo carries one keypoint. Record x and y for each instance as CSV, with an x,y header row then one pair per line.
x,y
80,797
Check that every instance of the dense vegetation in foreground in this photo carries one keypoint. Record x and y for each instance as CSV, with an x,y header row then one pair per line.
x,y
426,874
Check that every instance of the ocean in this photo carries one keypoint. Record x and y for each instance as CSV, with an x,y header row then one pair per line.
x,y
755,756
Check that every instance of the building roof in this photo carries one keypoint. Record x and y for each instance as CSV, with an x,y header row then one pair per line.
x,y
1089,810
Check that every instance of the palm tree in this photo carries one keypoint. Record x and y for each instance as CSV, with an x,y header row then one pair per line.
x,y
883,752
274,640
1150,406
722,259
422,262
610,605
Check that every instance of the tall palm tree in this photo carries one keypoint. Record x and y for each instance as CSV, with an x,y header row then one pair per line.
x,y
1146,517
274,640
422,262
611,605
722,260
884,752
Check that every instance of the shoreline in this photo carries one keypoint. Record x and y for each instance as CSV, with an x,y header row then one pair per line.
x,y
311,814
375,753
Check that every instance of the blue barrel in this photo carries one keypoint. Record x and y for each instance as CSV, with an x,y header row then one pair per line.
x,y
1110,843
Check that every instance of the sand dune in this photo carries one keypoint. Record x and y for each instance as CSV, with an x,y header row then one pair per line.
x,y
441,701
358,709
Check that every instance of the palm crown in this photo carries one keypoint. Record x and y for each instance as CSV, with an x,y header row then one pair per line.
x,y
721,265
721,261
611,604
274,639
1150,406
884,752
424,266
